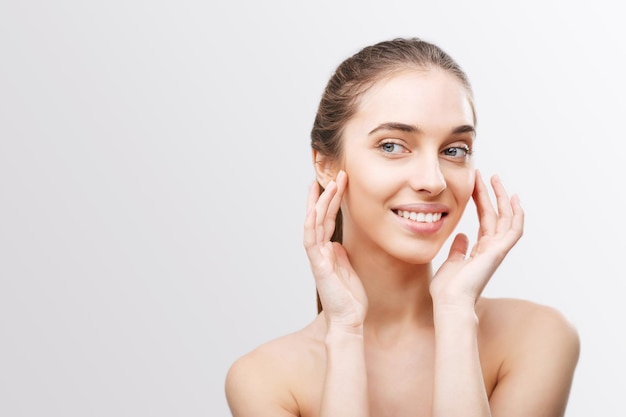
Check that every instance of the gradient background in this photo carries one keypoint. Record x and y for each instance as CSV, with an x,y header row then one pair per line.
x,y
154,164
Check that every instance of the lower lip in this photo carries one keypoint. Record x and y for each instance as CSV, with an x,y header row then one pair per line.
x,y
420,227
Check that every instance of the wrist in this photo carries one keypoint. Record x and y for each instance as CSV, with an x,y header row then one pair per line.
x,y
338,331
454,302
343,344
342,326
456,312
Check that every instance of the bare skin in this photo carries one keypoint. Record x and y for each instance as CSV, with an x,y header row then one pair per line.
x,y
516,340
286,375
396,339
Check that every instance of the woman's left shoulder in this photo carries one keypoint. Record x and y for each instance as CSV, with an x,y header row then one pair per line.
x,y
534,350
526,323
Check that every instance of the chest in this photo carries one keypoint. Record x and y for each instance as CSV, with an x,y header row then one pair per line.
x,y
400,381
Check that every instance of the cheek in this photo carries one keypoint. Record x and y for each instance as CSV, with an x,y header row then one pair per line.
x,y
462,185
366,177
369,189
363,186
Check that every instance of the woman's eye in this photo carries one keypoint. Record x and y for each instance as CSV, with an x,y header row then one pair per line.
x,y
458,152
391,147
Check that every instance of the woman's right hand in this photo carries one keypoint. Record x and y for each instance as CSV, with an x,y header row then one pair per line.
x,y
340,290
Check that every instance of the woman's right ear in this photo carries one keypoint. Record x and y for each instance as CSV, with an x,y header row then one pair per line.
x,y
325,168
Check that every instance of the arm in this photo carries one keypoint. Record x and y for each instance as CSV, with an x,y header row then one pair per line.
x,y
459,388
344,301
262,383
542,350
345,385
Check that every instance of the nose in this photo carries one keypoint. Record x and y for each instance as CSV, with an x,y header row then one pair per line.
x,y
426,176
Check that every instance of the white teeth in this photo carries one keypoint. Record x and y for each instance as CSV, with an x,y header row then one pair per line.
x,y
420,217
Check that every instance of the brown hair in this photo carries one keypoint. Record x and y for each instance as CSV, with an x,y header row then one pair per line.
x,y
355,76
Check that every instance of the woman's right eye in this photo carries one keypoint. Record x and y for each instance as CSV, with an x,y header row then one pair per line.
x,y
391,147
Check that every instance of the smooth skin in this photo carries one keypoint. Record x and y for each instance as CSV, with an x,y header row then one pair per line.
x,y
396,339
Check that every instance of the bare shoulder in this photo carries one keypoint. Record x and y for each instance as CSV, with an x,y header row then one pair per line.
x,y
265,380
537,348
526,318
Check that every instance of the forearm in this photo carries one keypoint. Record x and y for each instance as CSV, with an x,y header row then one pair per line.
x,y
345,386
459,388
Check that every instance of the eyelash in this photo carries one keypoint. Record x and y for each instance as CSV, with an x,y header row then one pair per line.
x,y
464,148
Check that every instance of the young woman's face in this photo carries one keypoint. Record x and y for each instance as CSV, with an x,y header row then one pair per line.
x,y
407,155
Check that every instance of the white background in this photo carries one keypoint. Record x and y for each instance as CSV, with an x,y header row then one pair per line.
x,y
154,162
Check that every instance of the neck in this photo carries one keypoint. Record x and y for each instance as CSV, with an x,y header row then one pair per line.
x,y
397,292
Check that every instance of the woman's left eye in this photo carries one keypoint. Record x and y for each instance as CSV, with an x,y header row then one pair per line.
x,y
458,151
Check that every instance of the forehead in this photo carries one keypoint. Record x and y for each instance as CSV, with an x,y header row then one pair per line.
x,y
426,98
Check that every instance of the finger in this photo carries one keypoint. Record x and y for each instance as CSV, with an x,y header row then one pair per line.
x,y
343,262
505,211
314,252
517,224
335,204
321,208
314,194
349,276
309,222
487,217
459,247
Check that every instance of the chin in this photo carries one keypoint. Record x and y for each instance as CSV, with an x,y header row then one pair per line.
x,y
420,256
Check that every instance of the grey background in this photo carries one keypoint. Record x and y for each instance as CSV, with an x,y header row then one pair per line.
x,y
154,163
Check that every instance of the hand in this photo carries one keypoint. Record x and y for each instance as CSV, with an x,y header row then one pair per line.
x,y
460,280
341,292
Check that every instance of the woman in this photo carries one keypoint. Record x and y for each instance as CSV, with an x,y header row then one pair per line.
x,y
392,144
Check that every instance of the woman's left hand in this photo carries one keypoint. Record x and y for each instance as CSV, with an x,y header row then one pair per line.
x,y
461,279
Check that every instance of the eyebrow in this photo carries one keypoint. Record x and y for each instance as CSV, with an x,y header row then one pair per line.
x,y
414,129
465,129
396,126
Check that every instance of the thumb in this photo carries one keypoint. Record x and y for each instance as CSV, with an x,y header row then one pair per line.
x,y
342,259
458,249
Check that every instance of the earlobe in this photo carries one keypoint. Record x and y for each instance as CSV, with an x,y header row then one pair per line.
x,y
325,169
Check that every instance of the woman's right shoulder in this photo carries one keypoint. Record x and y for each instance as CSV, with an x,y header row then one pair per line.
x,y
265,377
282,352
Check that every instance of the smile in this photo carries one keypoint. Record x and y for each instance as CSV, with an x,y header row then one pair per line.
x,y
420,217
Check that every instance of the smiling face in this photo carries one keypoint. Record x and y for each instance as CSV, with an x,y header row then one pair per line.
x,y
407,153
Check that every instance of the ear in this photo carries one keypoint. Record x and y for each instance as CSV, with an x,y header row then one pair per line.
x,y
325,168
